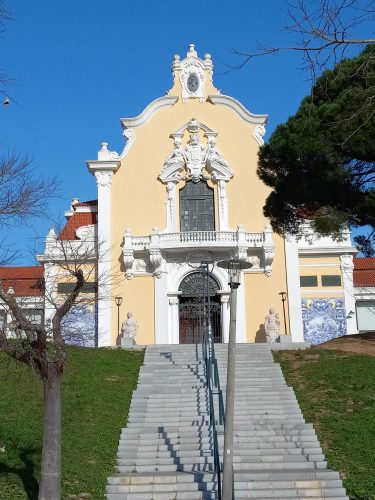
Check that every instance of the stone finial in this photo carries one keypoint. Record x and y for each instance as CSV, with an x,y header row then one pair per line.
x,y
51,235
192,52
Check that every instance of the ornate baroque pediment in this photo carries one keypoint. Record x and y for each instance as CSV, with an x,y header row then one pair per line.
x,y
195,161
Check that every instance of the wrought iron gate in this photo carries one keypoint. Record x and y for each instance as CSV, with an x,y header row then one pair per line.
x,y
193,319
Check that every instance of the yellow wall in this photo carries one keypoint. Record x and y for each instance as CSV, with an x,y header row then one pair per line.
x,y
139,202
313,266
262,292
138,297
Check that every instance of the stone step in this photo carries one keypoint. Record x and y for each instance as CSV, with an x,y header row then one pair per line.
x,y
239,455
163,495
305,447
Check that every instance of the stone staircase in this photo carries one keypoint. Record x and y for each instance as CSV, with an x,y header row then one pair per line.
x,y
165,452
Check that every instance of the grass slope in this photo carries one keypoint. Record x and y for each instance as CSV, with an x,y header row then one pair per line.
x,y
336,392
97,389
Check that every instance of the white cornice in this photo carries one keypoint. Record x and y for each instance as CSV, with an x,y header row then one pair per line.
x,y
238,108
327,250
162,102
102,166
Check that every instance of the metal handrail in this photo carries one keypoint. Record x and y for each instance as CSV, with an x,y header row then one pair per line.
x,y
212,384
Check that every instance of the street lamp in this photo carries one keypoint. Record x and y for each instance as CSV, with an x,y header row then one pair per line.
x,y
283,298
118,301
234,268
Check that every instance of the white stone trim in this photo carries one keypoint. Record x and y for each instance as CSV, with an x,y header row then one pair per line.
x,y
336,251
161,310
294,289
347,267
238,108
103,171
222,205
364,293
325,291
320,265
154,106
171,207
241,313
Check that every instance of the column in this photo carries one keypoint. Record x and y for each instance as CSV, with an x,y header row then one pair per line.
x,y
294,289
347,268
225,316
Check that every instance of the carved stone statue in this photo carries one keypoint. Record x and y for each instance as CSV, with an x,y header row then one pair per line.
x,y
214,156
177,155
272,326
129,329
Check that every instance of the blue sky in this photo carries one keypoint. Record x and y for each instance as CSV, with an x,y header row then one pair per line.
x,y
79,66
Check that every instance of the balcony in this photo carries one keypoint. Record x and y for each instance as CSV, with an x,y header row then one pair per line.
x,y
239,242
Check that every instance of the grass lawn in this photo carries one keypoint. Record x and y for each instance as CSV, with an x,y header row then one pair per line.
x,y
336,392
97,389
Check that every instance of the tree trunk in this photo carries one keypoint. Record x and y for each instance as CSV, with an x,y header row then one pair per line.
x,y
50,479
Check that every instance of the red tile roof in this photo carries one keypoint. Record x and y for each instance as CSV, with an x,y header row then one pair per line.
x,y
78,219
89,203
364,271
26,281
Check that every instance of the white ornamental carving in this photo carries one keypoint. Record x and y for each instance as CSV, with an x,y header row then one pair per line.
x,y
346,263
191,71
269,255
195,154
194,259
259,133
104,178
156,260
254,261
86,232
128,263
195,157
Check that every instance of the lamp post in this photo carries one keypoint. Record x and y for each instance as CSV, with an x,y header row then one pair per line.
x,y
118,301
234,268
283,298
205,264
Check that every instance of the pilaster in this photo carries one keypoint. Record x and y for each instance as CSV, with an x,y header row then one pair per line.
x,y
103,171
347,267
294,289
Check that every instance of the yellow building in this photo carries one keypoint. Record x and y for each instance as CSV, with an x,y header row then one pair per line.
x,y
185,190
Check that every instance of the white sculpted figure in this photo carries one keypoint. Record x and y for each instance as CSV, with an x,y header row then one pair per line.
x,y
214,155
129,328
177,155
272,326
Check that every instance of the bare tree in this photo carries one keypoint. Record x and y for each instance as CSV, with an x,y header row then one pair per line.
x,y
42,346
322,32
23,194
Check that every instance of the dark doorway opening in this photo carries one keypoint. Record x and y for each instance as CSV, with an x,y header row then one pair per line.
x,y
193,315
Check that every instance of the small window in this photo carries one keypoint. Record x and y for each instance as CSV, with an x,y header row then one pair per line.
x,y
35,316
69,287
308,281
331,280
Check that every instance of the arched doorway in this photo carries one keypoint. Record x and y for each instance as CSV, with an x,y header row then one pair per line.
x,y
193,308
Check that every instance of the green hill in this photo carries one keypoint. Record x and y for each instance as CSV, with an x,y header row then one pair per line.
x,y
97,389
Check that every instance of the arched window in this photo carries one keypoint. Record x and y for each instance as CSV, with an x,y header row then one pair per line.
x,y
195,285
197,212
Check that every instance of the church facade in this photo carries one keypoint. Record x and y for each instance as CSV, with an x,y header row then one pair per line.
x,y
183,191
